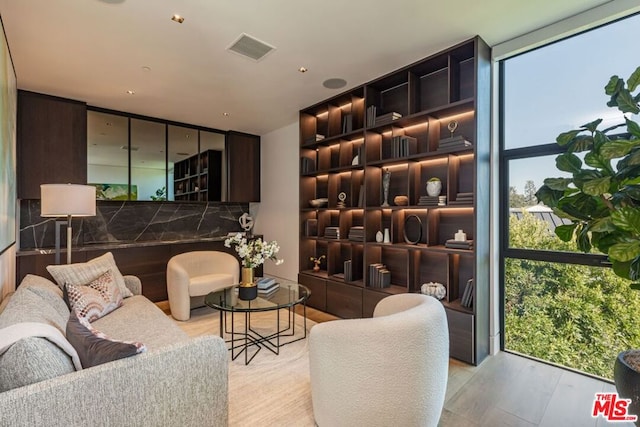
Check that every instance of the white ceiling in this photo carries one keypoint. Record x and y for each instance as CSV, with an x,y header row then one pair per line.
x,y
94,50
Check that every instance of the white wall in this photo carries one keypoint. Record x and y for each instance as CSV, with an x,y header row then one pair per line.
x,y
277,217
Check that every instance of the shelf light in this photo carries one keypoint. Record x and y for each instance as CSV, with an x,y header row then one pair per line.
x,y
323,114
347,105
466,156
417,127
468,114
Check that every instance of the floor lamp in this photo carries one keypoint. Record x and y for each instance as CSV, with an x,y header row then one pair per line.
x,y
67,200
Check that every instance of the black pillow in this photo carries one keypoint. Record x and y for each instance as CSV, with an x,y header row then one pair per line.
x,y
94,347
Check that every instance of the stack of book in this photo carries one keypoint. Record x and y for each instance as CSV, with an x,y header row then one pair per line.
x,y
267,286
307,165
379,276
428,201
459,244
356,233
371,116
387,118
347,123
462,199
403,146
467,295
348,274
455,142
332,232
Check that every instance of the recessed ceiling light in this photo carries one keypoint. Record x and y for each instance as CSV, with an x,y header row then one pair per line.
x,y
334,83
303,69
109,124
226,114
131,92
146,68
177,18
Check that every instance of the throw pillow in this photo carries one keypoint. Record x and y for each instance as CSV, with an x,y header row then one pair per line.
x,y
84,272
94,347
96,299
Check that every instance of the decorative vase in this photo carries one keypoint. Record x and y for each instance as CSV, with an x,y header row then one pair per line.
x,y
316,267
627,381
379,236
387,238
434,188
247,290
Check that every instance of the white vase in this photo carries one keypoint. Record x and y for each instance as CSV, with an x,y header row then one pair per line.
x,y
387,239
379,236
434,188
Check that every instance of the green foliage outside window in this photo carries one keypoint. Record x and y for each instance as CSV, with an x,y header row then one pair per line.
x,y
573,315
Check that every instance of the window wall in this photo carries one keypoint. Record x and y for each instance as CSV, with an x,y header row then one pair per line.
x,y
560,304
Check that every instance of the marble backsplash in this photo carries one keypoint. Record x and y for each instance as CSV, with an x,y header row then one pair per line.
x,y
132,222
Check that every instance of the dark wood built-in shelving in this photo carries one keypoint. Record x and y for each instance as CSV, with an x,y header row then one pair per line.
x,y
345,149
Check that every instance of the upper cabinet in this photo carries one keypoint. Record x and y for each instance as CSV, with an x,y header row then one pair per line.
x,y
129,157
52,142
389,173
243,166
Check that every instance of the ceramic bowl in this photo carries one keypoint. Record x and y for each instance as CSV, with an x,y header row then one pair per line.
x,y
318,203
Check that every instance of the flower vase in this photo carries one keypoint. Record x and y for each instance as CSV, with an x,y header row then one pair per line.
x,y
248,290
316,267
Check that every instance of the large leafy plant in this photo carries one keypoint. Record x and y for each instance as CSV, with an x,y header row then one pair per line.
x,y
602,198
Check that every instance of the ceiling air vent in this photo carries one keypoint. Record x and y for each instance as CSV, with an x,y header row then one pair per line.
x,y
250,47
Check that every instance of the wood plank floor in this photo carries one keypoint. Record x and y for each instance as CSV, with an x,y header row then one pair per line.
x,y
505,390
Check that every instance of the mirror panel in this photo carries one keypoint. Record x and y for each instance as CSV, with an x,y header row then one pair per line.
x,y
190,163
108,155
212,150
148,161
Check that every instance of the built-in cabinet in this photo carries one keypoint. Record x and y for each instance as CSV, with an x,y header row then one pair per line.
x,y
51,142
199,177
52,148
243,166
427,120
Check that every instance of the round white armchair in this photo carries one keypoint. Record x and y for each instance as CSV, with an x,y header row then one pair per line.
x,y
389,370
192,275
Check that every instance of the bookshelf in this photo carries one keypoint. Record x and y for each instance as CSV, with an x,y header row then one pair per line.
x,y
399,126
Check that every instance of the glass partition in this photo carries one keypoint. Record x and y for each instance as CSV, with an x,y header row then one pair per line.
x,y
108,155
148,160
183,163
135,158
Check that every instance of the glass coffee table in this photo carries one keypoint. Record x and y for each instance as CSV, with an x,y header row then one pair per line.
x,y
285,297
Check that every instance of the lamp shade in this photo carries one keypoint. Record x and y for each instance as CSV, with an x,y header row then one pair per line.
x,y
67,199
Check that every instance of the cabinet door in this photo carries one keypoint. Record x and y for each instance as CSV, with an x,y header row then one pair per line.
x,y
318,288
52,142
243,165
461,336
344,300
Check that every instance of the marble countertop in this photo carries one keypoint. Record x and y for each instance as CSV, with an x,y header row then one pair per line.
x,y
119,245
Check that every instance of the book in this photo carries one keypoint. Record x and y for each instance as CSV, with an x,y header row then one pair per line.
x,y
266,282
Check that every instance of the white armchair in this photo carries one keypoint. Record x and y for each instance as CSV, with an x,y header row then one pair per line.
x,y
389,370
192,275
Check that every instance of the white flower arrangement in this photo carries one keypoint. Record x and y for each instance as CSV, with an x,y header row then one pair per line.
x,y
254,252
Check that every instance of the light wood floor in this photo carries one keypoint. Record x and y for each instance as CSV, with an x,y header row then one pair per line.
x,y
505,390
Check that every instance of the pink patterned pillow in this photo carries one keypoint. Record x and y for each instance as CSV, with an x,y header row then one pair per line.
x,y
95,299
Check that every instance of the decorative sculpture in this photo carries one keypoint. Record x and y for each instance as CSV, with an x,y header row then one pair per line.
x,y
386,180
